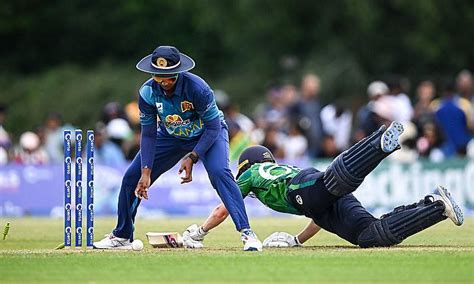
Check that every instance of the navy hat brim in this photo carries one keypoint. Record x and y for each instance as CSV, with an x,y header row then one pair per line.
x,y
186,64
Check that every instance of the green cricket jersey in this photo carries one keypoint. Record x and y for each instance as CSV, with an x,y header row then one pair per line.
x,y
268,182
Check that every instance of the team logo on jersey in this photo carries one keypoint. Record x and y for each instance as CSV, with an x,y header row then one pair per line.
x,y
299,200
159,106
265,171
185,106
174,120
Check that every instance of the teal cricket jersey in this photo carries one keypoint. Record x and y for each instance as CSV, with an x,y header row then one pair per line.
x,y
268,182
183,114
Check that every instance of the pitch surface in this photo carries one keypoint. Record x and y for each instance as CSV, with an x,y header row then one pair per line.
x,y
444,253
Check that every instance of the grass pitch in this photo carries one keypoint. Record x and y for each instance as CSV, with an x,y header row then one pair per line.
x,y
444,253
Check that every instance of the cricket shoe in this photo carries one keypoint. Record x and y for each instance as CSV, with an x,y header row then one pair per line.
x,y
452,210
389,139
112,242
251,241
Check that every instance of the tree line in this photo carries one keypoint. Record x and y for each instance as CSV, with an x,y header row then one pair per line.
x,y
238,45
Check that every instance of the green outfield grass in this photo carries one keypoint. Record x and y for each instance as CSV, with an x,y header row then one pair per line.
x,y
444,253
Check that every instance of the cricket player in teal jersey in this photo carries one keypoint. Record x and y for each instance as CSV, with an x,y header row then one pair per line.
x,y
180,121
326,197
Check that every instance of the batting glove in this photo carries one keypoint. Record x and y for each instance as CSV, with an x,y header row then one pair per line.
x,y
281,240
193,237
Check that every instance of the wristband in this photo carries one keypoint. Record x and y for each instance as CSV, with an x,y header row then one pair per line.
x,y
201,232
297,241
192,156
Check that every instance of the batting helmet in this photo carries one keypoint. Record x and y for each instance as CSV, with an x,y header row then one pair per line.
x,y
252,155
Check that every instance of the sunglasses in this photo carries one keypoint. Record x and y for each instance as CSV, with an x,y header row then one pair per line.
x,y
165,75
167,80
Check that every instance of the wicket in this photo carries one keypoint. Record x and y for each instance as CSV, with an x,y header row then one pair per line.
x,y
78,188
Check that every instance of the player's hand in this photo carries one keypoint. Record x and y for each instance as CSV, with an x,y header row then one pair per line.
x,y
141,191
281,239
187,167
193,237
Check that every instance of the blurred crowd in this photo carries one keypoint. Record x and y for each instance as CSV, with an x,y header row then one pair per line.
x,y
117,138
292,122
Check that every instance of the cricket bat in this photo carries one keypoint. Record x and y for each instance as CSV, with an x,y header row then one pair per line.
x,y
164,240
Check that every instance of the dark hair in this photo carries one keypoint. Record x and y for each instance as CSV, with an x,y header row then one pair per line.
x,y
448,86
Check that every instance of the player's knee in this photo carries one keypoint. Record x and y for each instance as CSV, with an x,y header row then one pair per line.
x,y
378,234
338,179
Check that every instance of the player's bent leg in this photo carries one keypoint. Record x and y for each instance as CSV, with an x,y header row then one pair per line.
x,y
128,202
405,221
121,236
227,188
346,218
349,169
216,162
167,154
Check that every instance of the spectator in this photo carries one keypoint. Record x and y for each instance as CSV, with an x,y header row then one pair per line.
x,y
119,132
238,140
5,141
400,101
132,113
289,95
105,152
112,110
274,111
465,89
53,137
337,122
453,116
273,140
423,113
240,127
30,151
382,112
408,153
3,156
329,147
465,85
232,113
367,120
430,141
295,145
132,147
306,112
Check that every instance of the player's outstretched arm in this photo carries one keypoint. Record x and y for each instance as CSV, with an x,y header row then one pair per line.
x,y
194,235
308,232
283,239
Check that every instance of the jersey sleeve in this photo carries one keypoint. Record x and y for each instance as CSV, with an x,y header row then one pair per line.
x,y
205,104
245,183
147,108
